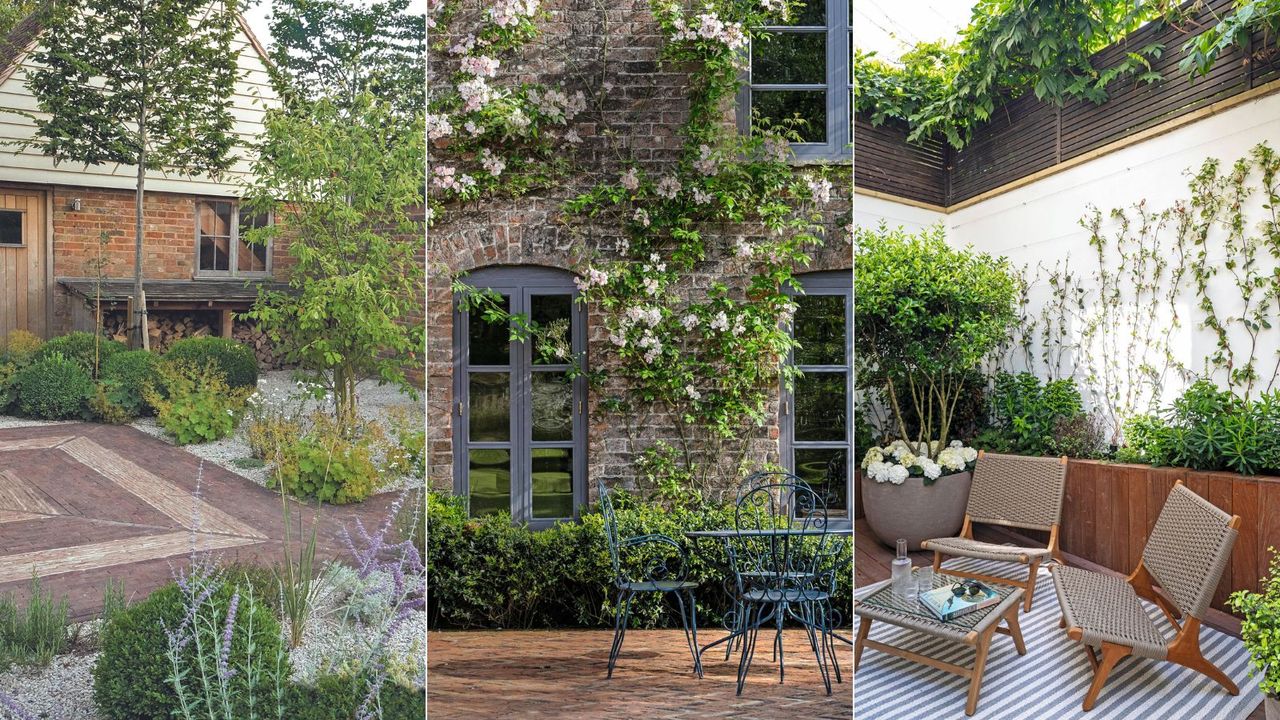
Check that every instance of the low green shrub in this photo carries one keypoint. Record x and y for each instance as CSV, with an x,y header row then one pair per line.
x,y
236,360
1029,416
327,465
20,347
34,634
485,572
125,376
195,404
1258,628
85,349
131,680
339,697
53,388
8,391
1208,428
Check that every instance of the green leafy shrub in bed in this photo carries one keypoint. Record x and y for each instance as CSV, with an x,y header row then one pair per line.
x,y
193,403
340,696
53,388
125,375
132,678
236,360
82,348
485,572
20,347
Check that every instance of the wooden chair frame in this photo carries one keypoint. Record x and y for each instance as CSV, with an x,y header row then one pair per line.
x,y
1028,586
1183,650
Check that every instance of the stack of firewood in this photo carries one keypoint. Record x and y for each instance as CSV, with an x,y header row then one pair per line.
x,y
164,328
262,347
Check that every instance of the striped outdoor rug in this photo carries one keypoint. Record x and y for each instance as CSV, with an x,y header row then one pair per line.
x,y
1050,681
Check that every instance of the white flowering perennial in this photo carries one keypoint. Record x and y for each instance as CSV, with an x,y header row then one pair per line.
x,y
899,460
708,26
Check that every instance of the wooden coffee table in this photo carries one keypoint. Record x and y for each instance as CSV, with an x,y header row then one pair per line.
x,y
974,629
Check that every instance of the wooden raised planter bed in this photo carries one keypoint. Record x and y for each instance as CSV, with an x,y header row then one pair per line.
x,y
1110,508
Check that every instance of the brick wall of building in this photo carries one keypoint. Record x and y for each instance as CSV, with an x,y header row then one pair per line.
x,y
169,245
588,46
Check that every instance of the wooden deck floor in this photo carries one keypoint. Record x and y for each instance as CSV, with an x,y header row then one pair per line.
x,y
872,559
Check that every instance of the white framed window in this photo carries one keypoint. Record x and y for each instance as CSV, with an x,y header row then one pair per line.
x,y
221,250
803,70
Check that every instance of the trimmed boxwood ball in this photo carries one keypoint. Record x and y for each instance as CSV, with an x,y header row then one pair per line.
x,y
53,388
338,697
236,360
79,347
131,677
125,374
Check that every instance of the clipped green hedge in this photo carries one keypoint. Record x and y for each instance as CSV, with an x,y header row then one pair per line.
x,y
339,697
79,347
125,375
53,388
485,572
236,360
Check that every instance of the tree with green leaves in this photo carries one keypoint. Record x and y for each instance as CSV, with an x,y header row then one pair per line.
x,y
146,83
13,12
338,49
346,185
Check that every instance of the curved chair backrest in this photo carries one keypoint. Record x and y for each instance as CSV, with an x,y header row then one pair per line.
x,y
612,538
1189,548
784,502
1017,491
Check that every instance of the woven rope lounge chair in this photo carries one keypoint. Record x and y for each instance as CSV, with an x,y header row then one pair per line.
x,y
1185,555
1013,491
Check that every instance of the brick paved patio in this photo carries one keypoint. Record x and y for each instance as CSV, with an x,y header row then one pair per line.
x,y
561,674
83,503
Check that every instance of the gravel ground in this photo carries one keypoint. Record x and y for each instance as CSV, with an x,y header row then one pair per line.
x,y
62,691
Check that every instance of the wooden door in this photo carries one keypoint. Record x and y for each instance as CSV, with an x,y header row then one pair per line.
x,y
23,282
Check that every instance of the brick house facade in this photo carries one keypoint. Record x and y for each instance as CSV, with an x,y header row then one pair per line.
x,y
588,46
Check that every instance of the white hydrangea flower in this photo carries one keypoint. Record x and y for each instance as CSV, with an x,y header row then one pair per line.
x,y
932,470
898,474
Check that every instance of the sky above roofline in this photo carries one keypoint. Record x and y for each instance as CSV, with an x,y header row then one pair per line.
x,y
892,27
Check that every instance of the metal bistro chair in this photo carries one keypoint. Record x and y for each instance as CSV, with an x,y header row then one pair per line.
x,y
771,577
658,576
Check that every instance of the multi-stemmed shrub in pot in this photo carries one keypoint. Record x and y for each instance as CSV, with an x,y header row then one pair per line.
x,y
925,316
1260,631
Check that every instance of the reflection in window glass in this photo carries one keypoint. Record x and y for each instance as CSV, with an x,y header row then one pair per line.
x,y
826,472
489,343
808,108
252,258
820,407
552,313
812,13
214,229
490,481
819,328
552,482
11,227
552,406
789,58
490,407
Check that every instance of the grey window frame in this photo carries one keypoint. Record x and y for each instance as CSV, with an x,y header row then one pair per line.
x,y
520,283
838,86
234,246
831,282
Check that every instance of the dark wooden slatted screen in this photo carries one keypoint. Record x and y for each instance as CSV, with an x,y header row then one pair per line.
x,y
1027,135
884,161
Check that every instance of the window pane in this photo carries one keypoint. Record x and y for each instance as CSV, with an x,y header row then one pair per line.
x,y
827,473
490,407
11,227
489,343
489,478
552,406
215,252
789,58
215,218
807,106
251,258
820,329
552,313
552,482
820,407
213,222
812,12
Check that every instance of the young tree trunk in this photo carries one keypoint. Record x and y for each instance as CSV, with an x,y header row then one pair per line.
x,y
138,338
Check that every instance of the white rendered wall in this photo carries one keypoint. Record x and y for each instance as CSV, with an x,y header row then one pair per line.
x,y
869,212
1040,222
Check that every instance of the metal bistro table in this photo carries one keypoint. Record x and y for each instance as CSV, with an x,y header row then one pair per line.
x,y
778,534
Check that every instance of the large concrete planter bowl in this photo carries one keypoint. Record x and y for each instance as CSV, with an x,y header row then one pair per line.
x,y
916,511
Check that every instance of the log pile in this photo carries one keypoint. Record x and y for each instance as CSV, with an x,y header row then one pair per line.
x,y
262,347
165,328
